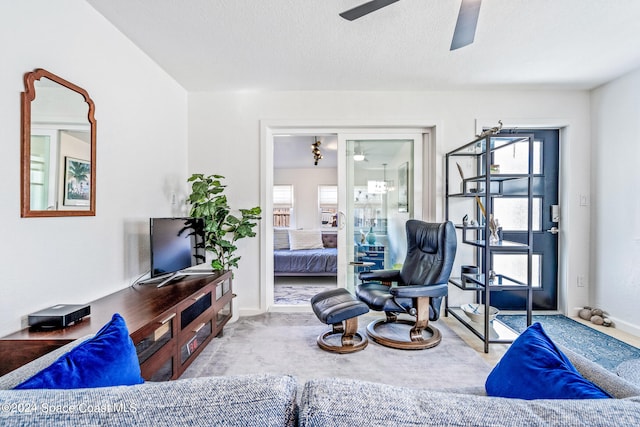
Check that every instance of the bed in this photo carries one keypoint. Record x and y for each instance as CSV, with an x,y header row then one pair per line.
x,y
304,253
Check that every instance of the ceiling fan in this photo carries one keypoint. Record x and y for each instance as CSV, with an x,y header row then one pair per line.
x,y
465,26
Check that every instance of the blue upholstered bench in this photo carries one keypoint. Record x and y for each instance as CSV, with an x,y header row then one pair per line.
x,y
339,308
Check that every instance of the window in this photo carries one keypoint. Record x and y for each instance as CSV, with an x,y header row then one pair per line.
x,y
514,266
513,214
328,204
282,205
515,159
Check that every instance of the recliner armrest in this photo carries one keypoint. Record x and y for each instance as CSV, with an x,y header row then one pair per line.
x,y
382,275
415,291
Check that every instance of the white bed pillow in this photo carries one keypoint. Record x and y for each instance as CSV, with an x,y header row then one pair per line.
x,y
305,239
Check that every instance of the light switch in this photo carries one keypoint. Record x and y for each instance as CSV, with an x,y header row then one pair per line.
x,y
584,200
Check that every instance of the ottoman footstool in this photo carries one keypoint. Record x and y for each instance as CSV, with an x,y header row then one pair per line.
x,y
339,308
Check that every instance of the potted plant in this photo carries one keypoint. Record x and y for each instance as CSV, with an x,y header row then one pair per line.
x,y
222,229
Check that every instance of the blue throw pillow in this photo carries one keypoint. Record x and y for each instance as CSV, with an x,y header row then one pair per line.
x,y
107,359
534,368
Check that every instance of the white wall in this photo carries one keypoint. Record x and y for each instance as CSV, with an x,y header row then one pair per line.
x,y
141,158
224,137
615,249
305,181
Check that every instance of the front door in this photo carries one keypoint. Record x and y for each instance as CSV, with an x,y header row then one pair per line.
x,y
509,210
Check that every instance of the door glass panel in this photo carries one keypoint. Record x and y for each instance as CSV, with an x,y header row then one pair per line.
x,y
512,213
514,158
515,267
379,201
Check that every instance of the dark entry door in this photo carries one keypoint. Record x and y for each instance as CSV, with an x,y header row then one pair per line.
x,y
509,209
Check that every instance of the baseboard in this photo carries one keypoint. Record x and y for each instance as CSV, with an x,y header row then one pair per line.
x,y
245,312
293,308
627,327
279,308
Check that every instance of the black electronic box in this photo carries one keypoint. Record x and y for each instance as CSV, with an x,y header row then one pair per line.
x,y
58,316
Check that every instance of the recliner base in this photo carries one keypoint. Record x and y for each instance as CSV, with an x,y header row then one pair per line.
x,y
350,339
411,342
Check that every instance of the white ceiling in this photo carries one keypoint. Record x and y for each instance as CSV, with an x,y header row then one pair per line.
x,y
210,45
294,151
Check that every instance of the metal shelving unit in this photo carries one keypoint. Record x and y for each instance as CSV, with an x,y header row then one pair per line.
x,y
476,196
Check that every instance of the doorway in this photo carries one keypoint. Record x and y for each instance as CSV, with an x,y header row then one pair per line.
x,y
411,204
305,203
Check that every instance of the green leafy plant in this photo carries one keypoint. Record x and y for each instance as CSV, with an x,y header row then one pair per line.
x,y
222,229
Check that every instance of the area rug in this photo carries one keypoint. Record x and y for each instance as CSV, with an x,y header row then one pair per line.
x,y
297,294
299,290
285,343
600,348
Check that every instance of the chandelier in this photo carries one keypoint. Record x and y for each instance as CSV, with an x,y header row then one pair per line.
x,y
315,149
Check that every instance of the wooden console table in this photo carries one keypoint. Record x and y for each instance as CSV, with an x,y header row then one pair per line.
x,y
169,326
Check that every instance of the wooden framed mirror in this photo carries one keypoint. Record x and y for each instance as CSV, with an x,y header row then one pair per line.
x,y
58,148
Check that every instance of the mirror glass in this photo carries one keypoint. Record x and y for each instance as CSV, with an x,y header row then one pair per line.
x,y
58,148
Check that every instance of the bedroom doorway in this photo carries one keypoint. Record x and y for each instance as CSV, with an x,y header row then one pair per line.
x,y
339,143
305,207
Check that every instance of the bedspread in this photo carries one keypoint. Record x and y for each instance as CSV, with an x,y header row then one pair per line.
x,y
310,262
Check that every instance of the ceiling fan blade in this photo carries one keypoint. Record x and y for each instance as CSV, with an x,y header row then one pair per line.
x,y
366,8
466,25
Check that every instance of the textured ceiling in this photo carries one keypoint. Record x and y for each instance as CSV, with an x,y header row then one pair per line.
x,y
304,45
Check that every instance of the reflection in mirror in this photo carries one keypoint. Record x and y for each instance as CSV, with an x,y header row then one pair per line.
x,y
58,148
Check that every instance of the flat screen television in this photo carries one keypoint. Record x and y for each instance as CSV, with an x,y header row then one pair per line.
x,y
176,244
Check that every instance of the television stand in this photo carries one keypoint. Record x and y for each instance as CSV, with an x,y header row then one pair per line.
x,y
169,326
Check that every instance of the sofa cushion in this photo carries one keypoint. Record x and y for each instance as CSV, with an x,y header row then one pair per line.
x,y
305,239
535,368
107,359
343,402
229,401
616,386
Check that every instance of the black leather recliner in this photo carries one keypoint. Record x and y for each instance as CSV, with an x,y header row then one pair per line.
x,y
416,289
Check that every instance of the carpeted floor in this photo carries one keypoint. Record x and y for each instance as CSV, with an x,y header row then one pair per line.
x,y
285,343
590,343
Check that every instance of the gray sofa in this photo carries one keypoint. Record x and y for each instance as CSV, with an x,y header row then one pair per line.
x,y
253,400
270,400
343,402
